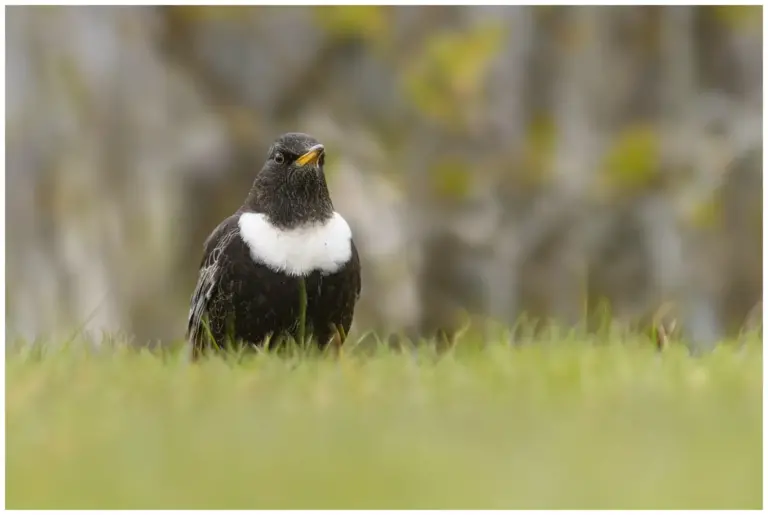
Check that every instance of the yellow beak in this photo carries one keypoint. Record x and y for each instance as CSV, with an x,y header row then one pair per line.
x,y
312,156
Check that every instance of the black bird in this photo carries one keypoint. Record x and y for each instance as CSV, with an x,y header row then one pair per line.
x,y
283,250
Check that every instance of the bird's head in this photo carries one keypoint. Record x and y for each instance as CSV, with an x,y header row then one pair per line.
x,y
290,188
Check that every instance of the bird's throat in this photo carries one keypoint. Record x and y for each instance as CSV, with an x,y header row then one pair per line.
x,y
293,202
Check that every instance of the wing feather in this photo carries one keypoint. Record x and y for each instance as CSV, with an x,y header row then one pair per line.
x,y
208,278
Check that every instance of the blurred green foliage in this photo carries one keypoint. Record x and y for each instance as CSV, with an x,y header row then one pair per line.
x,y
632,161
737,16
707,213
539,150
71,83
450,178
370,22
446,77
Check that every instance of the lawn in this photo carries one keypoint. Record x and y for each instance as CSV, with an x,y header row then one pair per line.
x,y
576,423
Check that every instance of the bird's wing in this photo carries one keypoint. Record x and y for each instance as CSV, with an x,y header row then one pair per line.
x,y
209,275
356,264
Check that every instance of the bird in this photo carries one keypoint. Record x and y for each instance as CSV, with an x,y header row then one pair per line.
x,y
283,266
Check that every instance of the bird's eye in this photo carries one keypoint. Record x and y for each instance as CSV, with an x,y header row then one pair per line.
x,y
321,161
279,158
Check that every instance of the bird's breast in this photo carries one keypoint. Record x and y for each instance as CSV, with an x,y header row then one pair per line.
x,y
323,247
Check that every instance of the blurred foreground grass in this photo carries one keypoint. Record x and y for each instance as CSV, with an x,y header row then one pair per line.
x,y
571,425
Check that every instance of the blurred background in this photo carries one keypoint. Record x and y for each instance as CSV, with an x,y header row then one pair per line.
x,y
492,161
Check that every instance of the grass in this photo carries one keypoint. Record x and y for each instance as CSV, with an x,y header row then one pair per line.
x,y
569,424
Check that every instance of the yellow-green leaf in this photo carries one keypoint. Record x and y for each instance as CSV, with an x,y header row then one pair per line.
x,y
633,160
